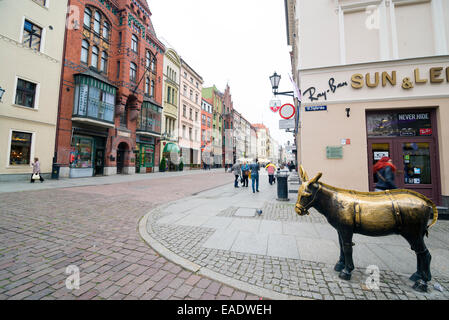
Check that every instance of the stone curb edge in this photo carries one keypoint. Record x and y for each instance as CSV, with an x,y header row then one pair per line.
x,y
193,267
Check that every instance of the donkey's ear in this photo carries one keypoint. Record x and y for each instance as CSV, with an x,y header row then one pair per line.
x,y
316,178
303,174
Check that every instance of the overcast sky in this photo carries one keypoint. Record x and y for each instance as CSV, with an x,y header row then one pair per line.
x,y
240,42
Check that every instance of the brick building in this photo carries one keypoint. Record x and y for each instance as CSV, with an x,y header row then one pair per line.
x,y
110,105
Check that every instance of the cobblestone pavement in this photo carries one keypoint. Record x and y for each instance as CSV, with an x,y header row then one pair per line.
x,y
294,278
95,229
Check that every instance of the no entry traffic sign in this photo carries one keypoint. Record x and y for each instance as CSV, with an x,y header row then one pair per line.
x,y
287,111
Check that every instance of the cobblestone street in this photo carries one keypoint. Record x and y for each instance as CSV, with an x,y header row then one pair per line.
x,y
95,228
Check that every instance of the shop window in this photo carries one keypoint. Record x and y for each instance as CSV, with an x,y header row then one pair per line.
x,y
25,93
94,103
32,35
81,153
398,124
20,152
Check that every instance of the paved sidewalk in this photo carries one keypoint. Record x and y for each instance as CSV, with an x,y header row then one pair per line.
x,y
281,255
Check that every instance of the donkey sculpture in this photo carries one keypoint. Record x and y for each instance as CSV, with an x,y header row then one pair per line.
x,y
403,212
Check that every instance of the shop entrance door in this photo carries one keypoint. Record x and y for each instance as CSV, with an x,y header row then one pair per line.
x,y
415,160
99,162
121,157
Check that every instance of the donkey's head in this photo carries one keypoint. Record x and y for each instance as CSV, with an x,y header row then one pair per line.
x,y
307,192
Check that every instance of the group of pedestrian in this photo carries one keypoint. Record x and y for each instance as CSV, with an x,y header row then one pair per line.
x,y
244,172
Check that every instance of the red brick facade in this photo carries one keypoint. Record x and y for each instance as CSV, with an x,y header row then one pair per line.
x,y
100,50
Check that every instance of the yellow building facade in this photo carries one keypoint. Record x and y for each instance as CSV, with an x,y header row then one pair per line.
x,y
31,50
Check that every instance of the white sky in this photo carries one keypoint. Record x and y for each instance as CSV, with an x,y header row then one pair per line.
x,y
240,42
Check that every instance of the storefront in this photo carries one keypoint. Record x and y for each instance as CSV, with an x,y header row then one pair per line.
x,y
353,115
171,154
87,153
145,154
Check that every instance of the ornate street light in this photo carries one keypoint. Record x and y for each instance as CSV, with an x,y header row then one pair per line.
x,y
275,79
2,91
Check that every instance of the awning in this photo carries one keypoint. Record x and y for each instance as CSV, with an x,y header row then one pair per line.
x,y
171,147
94,81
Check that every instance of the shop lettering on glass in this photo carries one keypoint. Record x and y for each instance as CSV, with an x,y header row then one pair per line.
x,y
399,124
312,95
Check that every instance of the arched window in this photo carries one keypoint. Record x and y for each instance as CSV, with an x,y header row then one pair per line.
x,y
94,59
104,62
84,51
133,72
87,17
148,59
106,30
97,22
153,65
134,43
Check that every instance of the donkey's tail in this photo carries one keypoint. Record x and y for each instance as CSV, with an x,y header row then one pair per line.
x,y
435,218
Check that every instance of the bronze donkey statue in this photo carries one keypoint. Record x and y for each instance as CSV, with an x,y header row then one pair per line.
x,y
399,211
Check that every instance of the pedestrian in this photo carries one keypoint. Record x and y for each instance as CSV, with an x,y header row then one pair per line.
x,y
236,172
245,173
384,170
254,169
36,171
271,168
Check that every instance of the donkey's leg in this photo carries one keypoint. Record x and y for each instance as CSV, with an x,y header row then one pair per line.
x,y
422,275
341,261
346,239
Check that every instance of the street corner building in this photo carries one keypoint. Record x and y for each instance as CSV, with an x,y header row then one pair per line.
x,y
110,110
374,79
31,49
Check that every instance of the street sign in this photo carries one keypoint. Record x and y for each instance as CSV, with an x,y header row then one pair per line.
x,y
287,124
287,111
316,108
275,105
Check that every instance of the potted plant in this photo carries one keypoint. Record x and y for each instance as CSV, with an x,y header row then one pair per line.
x,y
181,166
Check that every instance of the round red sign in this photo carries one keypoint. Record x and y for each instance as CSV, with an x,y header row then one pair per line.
x,y
287,111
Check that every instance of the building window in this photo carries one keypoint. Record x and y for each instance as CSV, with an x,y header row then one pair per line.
x,y
148,59
196,115
191,114
85,51
185,91
203,119
196,98
183,131
20,152
87,17
97,22
184,111
106,30
153,65
190,134
168,94
25,93
104,62
133,72
32,35
152,89
118,69
191,94
147,86
94,58
94,103
134,43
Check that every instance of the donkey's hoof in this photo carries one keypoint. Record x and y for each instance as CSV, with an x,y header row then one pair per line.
x,y
339,266
344,275
420,286
415,277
